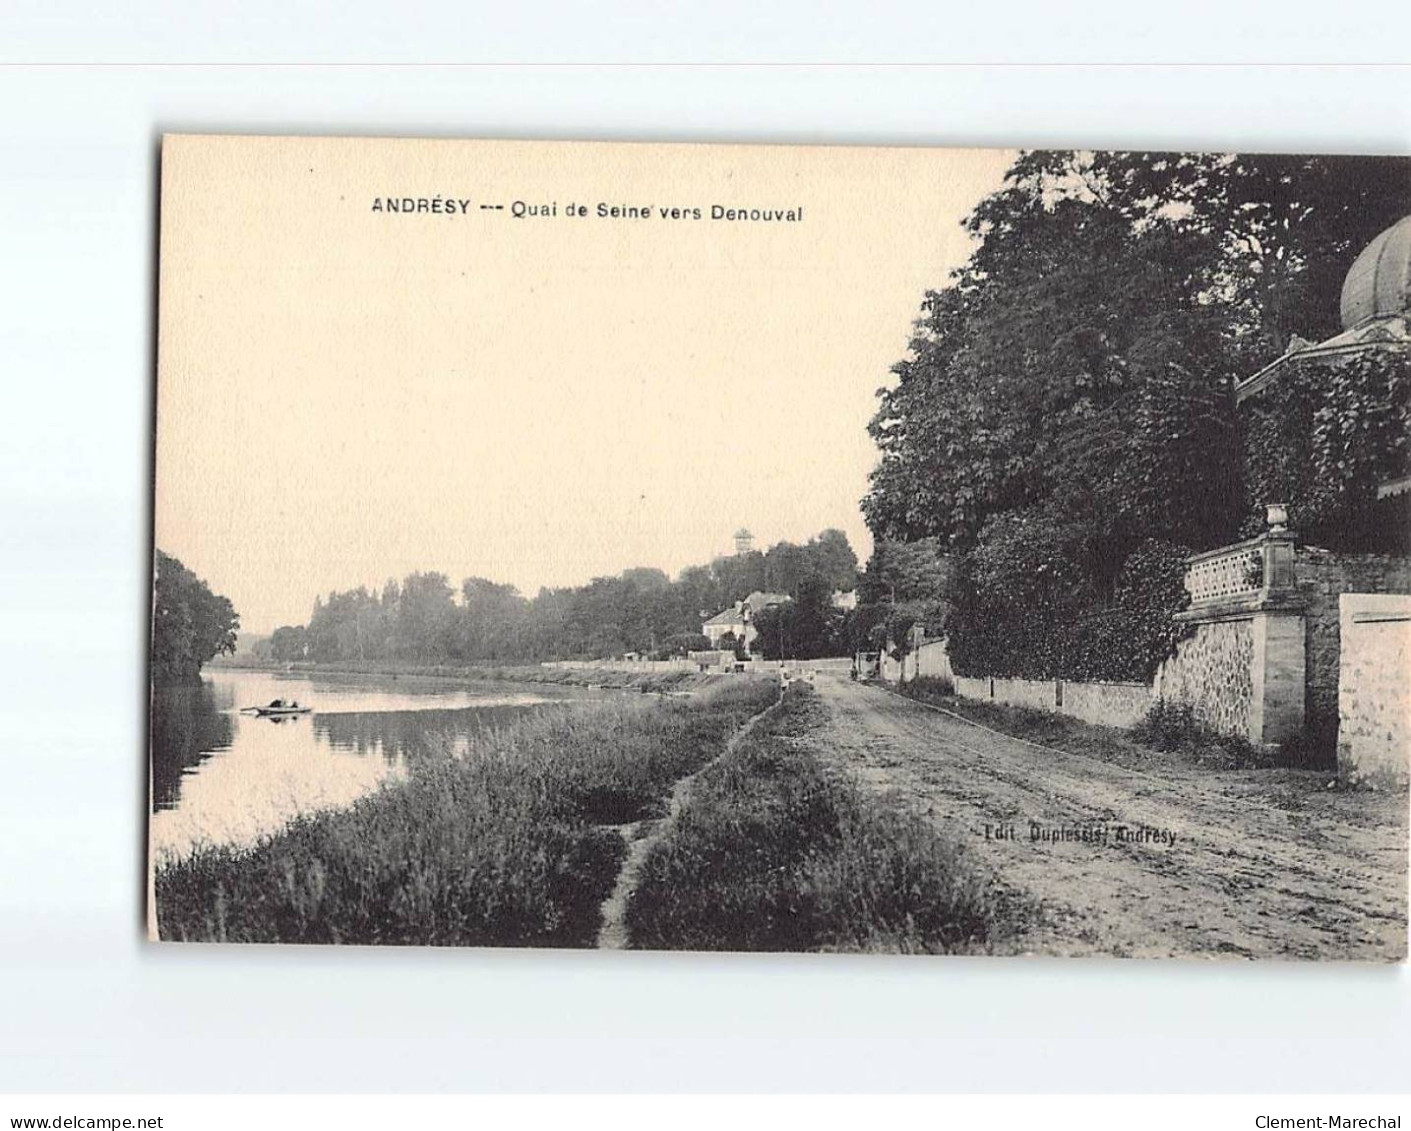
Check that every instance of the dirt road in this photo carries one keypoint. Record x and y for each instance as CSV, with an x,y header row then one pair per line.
x,y
1254,864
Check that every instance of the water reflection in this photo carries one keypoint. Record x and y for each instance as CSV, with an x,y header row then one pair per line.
x,y
413,736
187,727
222,777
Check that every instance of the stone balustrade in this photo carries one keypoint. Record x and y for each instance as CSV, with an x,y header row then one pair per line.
x,y
1242,668
1242,576
1231,571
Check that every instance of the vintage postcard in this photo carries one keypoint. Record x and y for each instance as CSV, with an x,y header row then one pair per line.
x,y
781,548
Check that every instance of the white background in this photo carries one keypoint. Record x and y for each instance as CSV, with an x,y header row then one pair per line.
x,y
85,1005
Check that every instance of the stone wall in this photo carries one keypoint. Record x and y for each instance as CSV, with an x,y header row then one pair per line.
x,y
1105,704
1322,577
1212,673
928,661
972,687
933,661
1264,662
1374,729
1036,694
682,665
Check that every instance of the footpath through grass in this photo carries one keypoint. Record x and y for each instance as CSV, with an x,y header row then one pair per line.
x,y
502,847
774,853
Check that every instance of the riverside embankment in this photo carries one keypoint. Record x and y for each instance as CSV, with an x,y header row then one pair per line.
x,y
703,821
506,841
594,677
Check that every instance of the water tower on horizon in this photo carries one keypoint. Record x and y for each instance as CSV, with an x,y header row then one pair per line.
x,y
744,541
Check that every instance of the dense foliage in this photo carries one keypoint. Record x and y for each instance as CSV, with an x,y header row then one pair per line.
x,y
1324,436
423,620
1024,608
1067,394
803,629
904,584
190,624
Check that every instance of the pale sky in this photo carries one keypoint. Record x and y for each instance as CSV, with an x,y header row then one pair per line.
x,y
347,395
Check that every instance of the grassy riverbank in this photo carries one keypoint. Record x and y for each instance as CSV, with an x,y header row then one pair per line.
x,y
514,673
502,847
774,853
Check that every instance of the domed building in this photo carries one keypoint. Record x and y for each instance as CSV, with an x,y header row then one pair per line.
x,y
1327,426
1378,288
1326,432
1375,309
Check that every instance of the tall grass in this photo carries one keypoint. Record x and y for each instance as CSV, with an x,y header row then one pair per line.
x,y
1173,729
773,853
501,847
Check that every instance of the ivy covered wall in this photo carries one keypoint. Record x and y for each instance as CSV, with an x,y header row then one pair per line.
x,y
1021,611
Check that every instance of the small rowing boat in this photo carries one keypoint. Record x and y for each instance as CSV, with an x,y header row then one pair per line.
x,y
277,708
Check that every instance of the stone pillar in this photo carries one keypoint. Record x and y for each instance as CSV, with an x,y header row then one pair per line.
x,y
1252,582
1277,709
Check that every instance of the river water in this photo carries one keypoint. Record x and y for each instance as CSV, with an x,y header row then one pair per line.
x,y
223,777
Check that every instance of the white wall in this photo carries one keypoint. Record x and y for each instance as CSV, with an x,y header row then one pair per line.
x,y
1374,688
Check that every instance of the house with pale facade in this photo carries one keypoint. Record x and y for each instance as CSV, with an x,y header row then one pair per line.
x,y
737,622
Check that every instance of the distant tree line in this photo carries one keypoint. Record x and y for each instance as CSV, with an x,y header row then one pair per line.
x,y
424,619
190,624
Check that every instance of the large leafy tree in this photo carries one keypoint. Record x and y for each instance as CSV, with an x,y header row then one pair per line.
x,y
1082,358
490,620
425,622
1066,397
190,624
904,584
804,628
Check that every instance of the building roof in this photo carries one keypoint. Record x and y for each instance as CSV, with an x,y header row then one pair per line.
x,y
1375,309
1379,283
757,601
1388,333
761,600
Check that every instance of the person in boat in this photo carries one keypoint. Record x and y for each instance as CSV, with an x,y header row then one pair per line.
x,y
276,704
